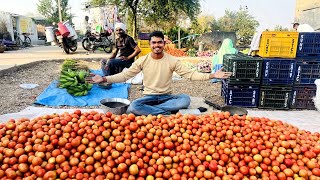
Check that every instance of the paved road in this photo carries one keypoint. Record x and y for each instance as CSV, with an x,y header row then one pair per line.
x,y
23,56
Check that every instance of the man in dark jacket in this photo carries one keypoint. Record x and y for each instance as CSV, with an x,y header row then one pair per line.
x,y
128,51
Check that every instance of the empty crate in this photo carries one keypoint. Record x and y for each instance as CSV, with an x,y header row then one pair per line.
x,y
278,71
240,95
275,97
280,44
308,44
245,69
307,71
302,97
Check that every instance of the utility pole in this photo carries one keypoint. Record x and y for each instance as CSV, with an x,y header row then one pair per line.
x,y
59,9
179,41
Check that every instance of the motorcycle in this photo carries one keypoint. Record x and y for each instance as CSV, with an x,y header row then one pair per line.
x,y
91,41
64,36
66,43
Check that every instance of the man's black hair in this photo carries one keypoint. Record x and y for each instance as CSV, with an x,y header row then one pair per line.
x,y
156,34
295,24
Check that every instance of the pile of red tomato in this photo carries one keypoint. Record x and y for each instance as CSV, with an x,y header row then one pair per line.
x,y
92,145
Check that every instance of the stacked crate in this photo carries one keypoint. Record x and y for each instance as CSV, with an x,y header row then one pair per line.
x,y
143,43
242,88
278,50
307,70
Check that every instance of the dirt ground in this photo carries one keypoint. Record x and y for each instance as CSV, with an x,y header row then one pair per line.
x,y
13,98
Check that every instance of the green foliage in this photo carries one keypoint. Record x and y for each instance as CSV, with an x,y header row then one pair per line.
x,y
168,13
49,9
203,24
240,22
280,28
159,14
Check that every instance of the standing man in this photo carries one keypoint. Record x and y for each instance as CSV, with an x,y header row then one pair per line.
x,y
128,51
86,26
158,68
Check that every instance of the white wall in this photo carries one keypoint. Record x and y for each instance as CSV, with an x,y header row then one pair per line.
x,y
31,29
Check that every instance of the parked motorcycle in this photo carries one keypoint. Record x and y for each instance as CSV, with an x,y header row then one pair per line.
x,y
64,36
91,42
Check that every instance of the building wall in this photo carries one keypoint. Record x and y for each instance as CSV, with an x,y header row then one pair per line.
x,y
308,12
22,24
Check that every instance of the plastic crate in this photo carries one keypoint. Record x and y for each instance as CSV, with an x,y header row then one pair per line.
x,y
143,43
308,44
281,44
143,36
278,71
144,51
307,71
302,97
240,95
275,97
245,69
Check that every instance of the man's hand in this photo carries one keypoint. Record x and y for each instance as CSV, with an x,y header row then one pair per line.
x,y
123,58
94,78
220,74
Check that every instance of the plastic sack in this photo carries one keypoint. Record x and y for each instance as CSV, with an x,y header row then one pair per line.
x,y
29,86
136,79
316,99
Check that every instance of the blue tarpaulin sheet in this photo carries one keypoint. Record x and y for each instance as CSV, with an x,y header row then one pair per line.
x,y
54,96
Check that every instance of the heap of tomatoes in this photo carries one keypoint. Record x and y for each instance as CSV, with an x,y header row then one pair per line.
x,y
92,145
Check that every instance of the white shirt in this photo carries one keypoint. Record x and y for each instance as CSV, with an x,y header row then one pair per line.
x,y
305,28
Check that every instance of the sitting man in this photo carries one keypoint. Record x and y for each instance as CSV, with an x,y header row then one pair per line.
x,y
158,68
128,51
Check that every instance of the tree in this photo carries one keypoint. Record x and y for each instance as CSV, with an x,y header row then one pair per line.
x,y
49,9
280,28
123,5
168,13
203,24
240,22
158,13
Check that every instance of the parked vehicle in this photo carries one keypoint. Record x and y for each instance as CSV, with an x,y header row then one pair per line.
x,y
64,36
91,41
26,42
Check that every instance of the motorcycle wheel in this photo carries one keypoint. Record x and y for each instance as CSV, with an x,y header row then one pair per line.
x,y
65,46
87,44
108,49
74,46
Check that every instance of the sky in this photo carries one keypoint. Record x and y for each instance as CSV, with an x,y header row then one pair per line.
x,y
269,13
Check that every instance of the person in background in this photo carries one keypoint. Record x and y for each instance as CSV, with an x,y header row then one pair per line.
x,y
302,27
128,51
158,67
86,25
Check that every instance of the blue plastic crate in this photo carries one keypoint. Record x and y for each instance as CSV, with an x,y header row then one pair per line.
x,y
302,97
278,71
143,36
307,71
240,95
308,44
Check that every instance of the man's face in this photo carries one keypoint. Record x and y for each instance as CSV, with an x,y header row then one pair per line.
x,y
120,32
157,45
